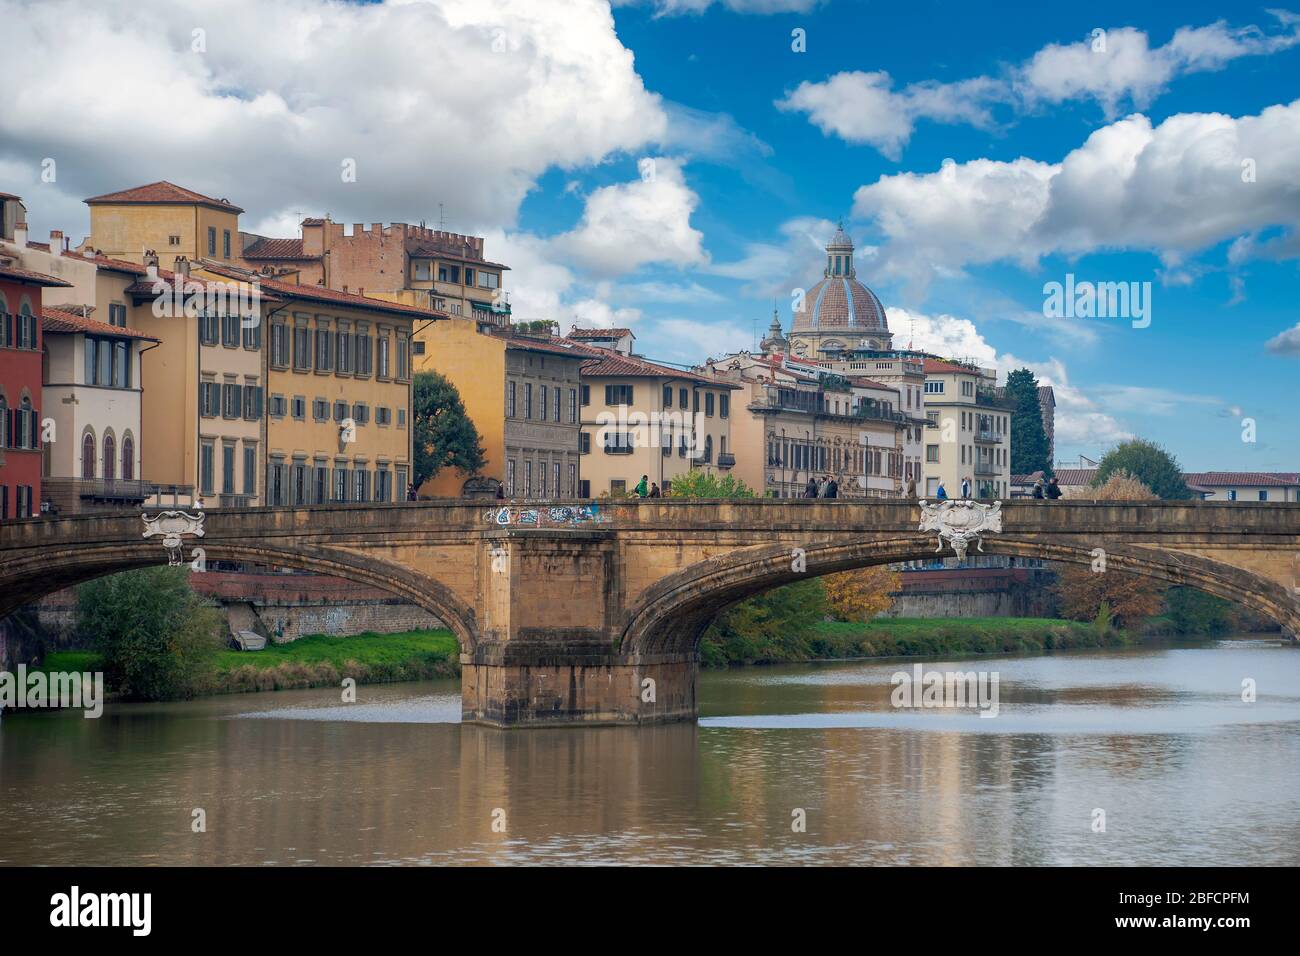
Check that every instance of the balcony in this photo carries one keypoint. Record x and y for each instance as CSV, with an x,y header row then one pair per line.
x,y
987,437
77,495
235,501
726,459
986,469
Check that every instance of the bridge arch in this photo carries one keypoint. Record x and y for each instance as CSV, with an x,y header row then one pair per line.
x,y
30,576
671,616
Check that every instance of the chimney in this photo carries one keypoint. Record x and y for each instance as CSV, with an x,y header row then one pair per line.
x,y
20,235
56,242
150,259
182,266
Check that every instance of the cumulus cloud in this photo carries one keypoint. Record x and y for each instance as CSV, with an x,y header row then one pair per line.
x,y
687,339
864,108
777,269
597,314
670,8
1286,343
1174,189
1117,68
460,102
648,220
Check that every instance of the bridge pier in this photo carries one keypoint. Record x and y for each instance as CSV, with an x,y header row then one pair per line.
x,y
547,653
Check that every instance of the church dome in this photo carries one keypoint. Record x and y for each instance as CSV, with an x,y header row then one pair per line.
x,y
839,302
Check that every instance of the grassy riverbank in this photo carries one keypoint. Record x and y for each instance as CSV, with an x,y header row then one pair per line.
x,y
314,661
928,637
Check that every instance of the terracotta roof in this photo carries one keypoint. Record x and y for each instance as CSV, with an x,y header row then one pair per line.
x,y
9,196
145,287
608,364
1261,479
318,293
162,192
940,367
581,334
551,345
56,321
870,383
265,248
1074,476
312,221
114,265
431,250
30,278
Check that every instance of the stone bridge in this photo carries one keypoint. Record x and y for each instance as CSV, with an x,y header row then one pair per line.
x,y
593,611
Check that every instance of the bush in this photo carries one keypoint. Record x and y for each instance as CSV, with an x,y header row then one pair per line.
x,y
156,637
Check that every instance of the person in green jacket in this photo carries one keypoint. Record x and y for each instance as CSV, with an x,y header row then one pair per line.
x,y
642,487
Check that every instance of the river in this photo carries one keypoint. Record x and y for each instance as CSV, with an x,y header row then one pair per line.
x,y
1158,738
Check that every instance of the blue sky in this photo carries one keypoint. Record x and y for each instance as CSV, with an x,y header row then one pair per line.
x,y
673,165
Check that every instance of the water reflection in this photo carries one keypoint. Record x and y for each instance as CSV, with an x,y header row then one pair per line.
x,y
1160,739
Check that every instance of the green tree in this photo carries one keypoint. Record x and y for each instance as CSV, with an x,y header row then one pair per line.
x,y
701,484
1148,463
444,436
156,636
1029,450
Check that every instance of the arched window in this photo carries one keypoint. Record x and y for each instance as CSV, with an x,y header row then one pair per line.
x,y
88,456
110,457
24,433
128,457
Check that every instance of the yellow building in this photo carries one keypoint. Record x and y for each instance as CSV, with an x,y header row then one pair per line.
x,y
166,218
338,392
968,431
521,392
639,418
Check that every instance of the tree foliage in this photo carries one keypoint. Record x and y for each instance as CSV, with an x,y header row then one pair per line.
x,y
698,483
443,434
1097,592
862,594
772,626
1149,463
1029,448
156,636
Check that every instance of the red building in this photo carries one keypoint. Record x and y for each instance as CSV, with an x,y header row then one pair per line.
x,y
20,389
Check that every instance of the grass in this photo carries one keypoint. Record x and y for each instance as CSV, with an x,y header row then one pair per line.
x,y
929,636
317,660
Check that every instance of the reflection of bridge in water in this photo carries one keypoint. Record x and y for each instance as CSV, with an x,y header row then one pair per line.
x,y
593,612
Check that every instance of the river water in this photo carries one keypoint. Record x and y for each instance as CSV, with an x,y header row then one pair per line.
x,y
1158,738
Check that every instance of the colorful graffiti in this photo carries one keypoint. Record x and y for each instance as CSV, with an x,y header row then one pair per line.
x,y
553,517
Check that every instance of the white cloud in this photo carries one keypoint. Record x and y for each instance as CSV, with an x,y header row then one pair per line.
x,y
678,293
648,220
1286,343
863,107
689,339
1117,68
1174,189
415,93
597,314
669,8
776,269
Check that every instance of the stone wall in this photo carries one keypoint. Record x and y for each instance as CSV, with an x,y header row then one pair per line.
x,y
975,592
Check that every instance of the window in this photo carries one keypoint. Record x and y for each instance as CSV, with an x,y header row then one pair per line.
x,y
88,456
488,280
708,404
340,411
209,328
228,468
617,486
298,408
381,367
541,401
668,396
401,418
618,394
110,458
682,402
320,410
173,240
401,480
324,350
107,362
206,466
252,402
360,413
510,399
934,388
225,244
117,314
298,482
250,469
586,395
128,458
209,399
584,488
277,406
278,483
320,483
541,479
932,453
573,480
555,479
618,443
724,405
212,240
421,270
344,363
469,276
510,477
555,405
340,482
252,333
528,478
448,273
1232,494
403,357
301,348
383,415
363,353
362,485
1263,495
280,345
528,400
573,406
584,443
232,400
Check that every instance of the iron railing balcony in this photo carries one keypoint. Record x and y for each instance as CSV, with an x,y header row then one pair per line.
x,y
988,437
986,468
726,459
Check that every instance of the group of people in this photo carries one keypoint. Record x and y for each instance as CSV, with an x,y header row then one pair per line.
x,y
1049,489
642,491
825,487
